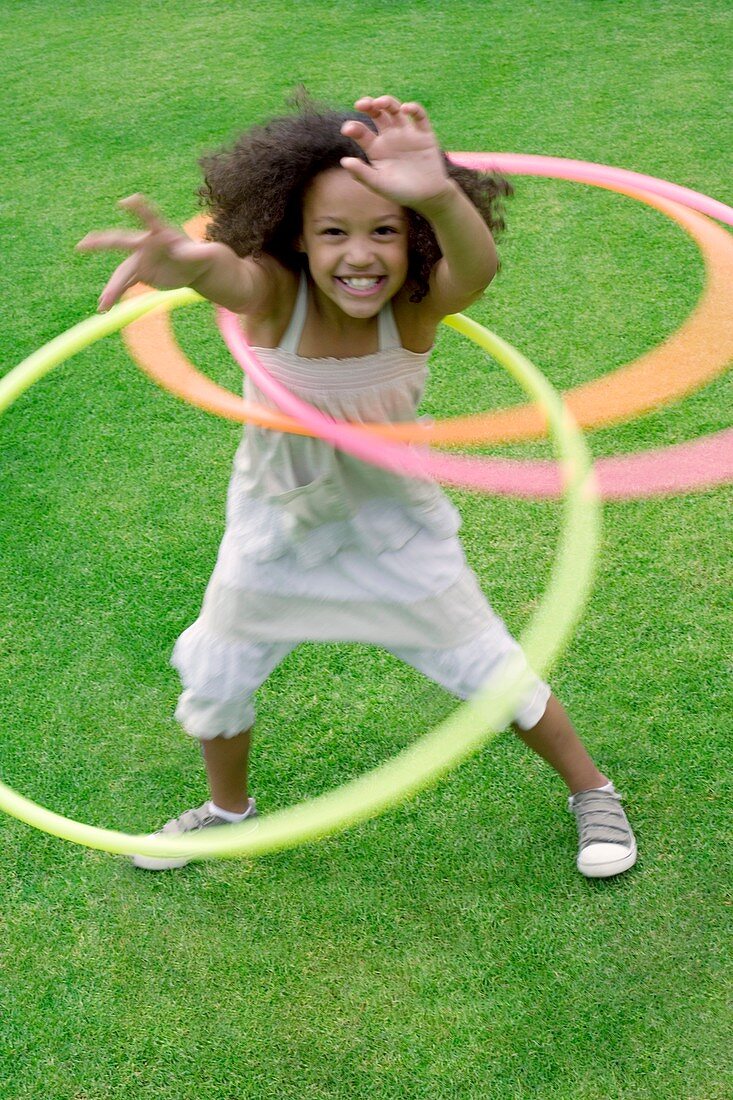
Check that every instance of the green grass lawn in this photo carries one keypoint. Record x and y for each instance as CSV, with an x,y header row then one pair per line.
x,y
448,949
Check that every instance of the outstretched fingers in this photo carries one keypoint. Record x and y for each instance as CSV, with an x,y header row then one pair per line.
x,y
151,247
375,105
143,209
361,134
104,240
126,240
123,277
384,111
417,114
363,173
387,110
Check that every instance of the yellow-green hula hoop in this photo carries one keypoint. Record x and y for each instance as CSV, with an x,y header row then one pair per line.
x,y
436,752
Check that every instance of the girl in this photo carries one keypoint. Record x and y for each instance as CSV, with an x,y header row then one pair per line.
x,y
342,239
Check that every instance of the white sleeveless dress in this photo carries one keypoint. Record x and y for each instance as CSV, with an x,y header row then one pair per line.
x,y
320,546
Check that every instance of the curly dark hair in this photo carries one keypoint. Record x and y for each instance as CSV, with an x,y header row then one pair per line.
x,y
254,190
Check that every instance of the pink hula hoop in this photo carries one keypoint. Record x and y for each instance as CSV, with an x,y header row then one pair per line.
x,y
521,164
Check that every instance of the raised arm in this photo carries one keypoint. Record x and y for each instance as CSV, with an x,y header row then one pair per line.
x,y
407,166
166,258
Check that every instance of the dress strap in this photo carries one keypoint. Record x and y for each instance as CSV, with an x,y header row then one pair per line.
x,y
389,336
291,340
388,333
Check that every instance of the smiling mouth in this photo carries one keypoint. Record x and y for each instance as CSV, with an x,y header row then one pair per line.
x,y
361,284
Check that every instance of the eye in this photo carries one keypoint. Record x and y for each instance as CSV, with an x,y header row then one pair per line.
x,y
331,231
386,231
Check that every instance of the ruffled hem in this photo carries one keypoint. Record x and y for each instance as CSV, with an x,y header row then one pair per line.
x,y
216,668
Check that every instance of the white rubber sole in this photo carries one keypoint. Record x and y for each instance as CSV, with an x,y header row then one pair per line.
x,y
150,863
605,864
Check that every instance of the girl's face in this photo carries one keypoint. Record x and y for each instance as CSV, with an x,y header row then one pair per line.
x,y
356,243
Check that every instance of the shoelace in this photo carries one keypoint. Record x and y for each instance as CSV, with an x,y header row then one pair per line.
x,y
193,819
600,818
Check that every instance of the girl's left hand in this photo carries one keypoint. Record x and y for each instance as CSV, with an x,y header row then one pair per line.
x,y
405,161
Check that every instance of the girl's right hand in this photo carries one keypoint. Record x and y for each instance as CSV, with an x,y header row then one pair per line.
x,y
161,255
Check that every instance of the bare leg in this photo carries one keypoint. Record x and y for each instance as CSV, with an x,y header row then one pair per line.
x,y
226,760
555,740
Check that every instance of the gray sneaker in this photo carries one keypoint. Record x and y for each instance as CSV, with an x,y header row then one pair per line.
x,y
607,845
189,822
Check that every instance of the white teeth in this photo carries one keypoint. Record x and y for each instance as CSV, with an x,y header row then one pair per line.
x,y
361,283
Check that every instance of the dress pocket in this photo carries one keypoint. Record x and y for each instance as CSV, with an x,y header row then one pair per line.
x,y
307,506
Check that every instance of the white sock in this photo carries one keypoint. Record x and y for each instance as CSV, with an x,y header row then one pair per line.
x,y
227,815
607,788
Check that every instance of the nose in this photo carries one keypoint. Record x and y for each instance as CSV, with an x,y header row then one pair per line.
x,y
360,252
